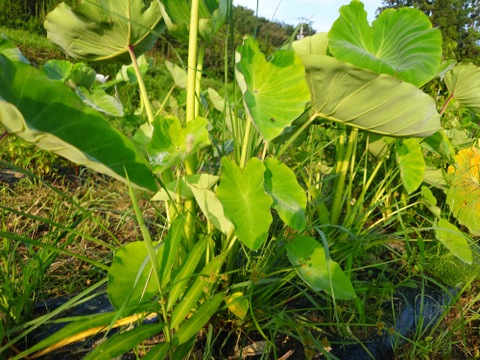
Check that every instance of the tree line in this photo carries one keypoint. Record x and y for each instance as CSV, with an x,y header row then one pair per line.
x,y
29,15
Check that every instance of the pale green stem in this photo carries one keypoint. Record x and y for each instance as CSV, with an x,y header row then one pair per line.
x,y
191,162
343,162
198,80
248,128
141,85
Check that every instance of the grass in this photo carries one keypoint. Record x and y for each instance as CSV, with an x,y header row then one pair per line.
x,y
36,48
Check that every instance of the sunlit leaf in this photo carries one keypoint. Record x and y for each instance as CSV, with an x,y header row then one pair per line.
x,y
411,162
130,278
212,208
100,101
171,143
245,202
319,271
463,82
238,304
463,194
99,30
53,118
217,101
401,42
453,239
274,91
289,199
360,98
179,75
316,44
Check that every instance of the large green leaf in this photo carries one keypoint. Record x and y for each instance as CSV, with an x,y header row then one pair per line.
x,y
463,82
463,194
130,278
171,143
316,268
360,98
52,117
453,239
401,42
212,15
245,202
289,198
275,91
98,30
411,162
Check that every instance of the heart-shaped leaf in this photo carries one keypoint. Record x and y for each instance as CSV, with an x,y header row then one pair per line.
x,y
453,239
369,101
275,91
171,143
400,42
129,276
463,82
463,194
245,202
319,271
289,199
411,162
98,30
52,117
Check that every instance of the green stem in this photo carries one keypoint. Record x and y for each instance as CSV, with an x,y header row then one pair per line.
x,y
343,162
446,104
248,129
141,85
191,162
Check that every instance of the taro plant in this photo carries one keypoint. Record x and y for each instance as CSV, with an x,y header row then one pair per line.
x,y
358,85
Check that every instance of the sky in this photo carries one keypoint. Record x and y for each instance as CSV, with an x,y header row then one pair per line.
x,y
322,13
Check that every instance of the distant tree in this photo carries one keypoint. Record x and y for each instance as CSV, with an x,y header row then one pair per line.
x,y
28,14
458,20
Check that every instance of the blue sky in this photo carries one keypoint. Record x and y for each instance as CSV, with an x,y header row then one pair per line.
x,y
322,13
